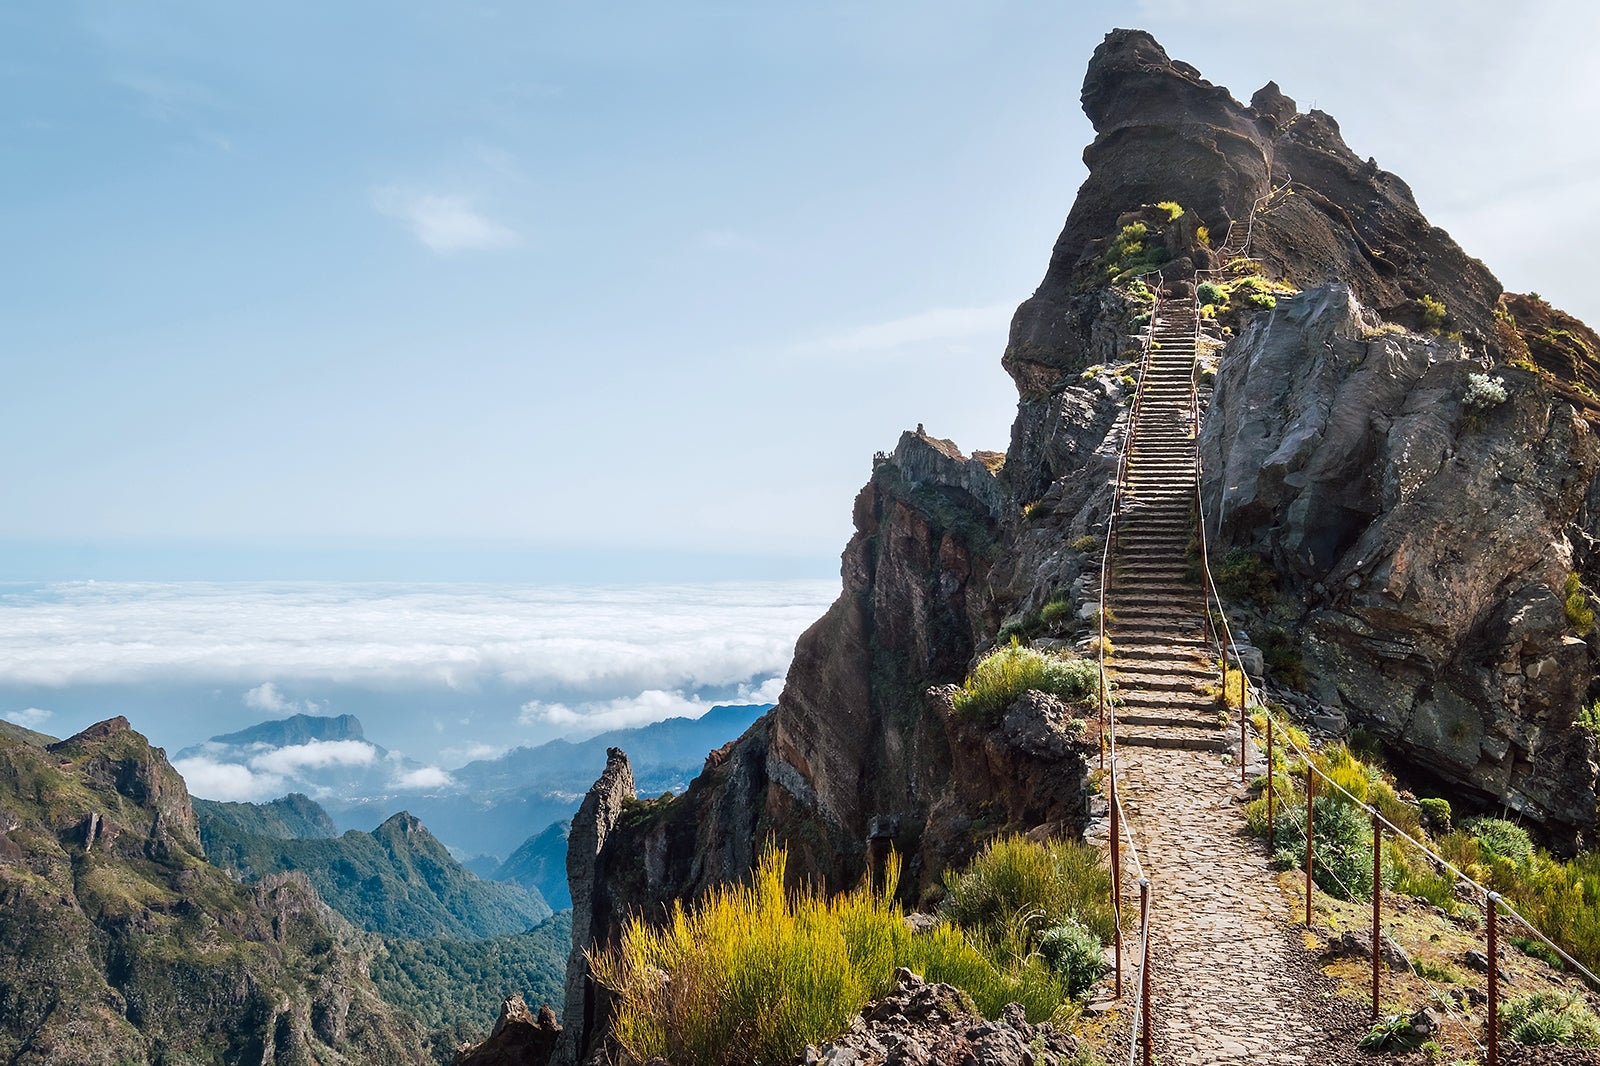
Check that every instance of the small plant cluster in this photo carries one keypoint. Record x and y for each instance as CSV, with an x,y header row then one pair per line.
x,y
1589,717
1433,315
1245,577
1551,1018
1019,899
1483,392
1246,291
1006,673
752,972
1135,250
1576,602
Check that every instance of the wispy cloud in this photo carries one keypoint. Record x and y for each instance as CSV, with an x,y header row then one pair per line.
x,y
218,779
445,223
651,705
314,755
424,777
938,326
267,697
28,717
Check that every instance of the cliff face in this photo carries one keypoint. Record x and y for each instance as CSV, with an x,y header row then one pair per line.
x,y
1423,543
120,944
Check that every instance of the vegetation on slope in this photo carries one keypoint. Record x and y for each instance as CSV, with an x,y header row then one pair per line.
x,y
752,974
120,944
397,880
455,987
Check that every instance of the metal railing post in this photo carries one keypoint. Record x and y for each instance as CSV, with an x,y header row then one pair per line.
x,y
1144,971
1116,878
1377,904
1270,774
1311,792
1491,906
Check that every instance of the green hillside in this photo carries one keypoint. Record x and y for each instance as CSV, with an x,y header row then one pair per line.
x,y
397,880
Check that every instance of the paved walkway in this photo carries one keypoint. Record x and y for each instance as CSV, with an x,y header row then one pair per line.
x,y
1232,981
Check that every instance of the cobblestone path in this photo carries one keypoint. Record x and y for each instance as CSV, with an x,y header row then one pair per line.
x,y
1233,982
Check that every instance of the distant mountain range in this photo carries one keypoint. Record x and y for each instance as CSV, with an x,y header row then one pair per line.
x,y
488,808
541,863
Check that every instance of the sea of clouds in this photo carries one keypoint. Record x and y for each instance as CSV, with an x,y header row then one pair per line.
x,y
447,673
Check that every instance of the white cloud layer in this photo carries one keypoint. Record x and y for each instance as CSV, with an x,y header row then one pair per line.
x,y
314,755
596,642
28,717
423,777
215,779
651,705
444,223
938,326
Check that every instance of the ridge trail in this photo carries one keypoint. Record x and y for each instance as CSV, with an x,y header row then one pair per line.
x,y
1232,979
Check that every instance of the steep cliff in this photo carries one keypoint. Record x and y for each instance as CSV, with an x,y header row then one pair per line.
x,y
120,943
1422,532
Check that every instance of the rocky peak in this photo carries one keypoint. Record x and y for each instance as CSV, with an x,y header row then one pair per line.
x,y
593,912
112,755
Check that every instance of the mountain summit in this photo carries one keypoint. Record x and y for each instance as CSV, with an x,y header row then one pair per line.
x,y
1400,475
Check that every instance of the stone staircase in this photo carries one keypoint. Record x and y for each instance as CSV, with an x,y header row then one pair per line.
x,y
1160,661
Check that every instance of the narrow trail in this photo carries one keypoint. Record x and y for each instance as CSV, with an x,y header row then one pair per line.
x,y
1232,979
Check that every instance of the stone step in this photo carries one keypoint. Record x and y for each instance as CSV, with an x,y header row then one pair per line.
x,y
1175,739
1175,677
1173,650
1141,720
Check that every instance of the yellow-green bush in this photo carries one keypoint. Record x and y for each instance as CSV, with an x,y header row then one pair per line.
x,y
1058,882
1008,672
751,973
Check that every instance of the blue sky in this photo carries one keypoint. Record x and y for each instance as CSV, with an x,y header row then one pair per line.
x,y
435,290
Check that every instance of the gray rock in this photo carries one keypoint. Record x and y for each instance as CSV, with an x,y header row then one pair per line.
x,y
596,817
1346,458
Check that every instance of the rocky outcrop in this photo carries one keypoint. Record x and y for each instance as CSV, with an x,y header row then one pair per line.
x,y
518,1038
123,945
1163,133
593,913
933,1023
1423,544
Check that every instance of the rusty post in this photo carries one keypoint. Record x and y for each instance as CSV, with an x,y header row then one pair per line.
x,y
1144,971
1311,793
1269,783
1116,878
1243,778
1491,905
1377,904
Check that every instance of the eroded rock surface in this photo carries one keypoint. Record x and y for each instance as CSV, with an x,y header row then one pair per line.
x,y
1423,544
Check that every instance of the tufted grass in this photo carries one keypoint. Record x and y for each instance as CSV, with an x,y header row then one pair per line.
x,y
753,973
1004,674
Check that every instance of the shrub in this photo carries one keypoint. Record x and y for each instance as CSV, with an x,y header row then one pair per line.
x,y
1059,882
1073,953
1500,838
1589,717
1056,612
1088,544
1210,293
1172,208
1346,771
1483,392
1550,1018
1263,300
752,972
1433,314
1342,845
1579,612
1004,674
1435,813
1243,575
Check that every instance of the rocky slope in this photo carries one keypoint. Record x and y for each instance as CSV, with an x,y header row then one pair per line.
x,y
1421,543
120,944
